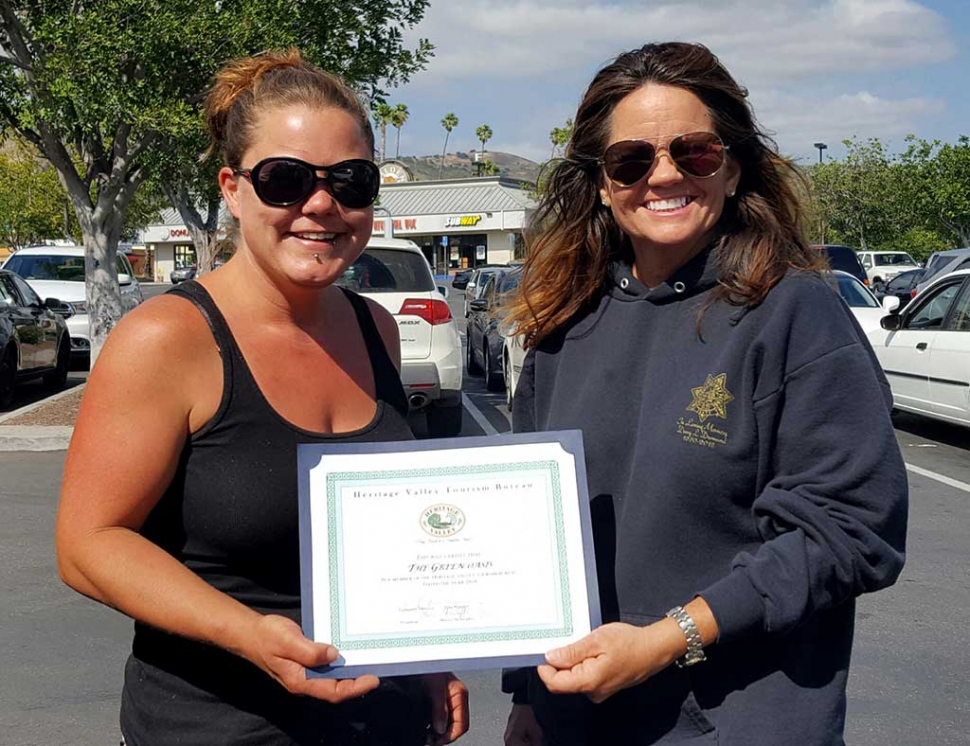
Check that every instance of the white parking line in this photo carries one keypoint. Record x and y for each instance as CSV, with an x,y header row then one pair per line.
x,y
478,416
938,477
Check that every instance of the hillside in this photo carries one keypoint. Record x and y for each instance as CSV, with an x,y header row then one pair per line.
x,y
459,165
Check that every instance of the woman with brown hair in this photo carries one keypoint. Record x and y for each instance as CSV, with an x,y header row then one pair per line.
x,y
745,480
194,533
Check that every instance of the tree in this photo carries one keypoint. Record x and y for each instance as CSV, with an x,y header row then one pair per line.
x,y
484,134
859,200
398,119
559,137
449,122
489,168
33,207
383,116
100,89
940,185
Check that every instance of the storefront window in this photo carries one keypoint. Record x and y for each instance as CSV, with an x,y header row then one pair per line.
x,y
184,255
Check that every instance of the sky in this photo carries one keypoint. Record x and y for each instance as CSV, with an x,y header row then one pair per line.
x,y
817,70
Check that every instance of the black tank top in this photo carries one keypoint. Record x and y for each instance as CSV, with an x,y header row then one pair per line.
x,y
230,515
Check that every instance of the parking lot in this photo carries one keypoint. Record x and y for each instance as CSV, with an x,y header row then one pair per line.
x,y
63,655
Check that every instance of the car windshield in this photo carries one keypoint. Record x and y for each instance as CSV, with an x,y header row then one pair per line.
x,y
854,294
47,267
889,260
388,271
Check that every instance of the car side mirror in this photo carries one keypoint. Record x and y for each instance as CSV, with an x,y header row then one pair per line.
x,y
891,323
59,307
479,304
890,304
443,289
124,278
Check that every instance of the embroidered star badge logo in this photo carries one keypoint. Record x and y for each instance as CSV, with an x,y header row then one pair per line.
x,y
712,398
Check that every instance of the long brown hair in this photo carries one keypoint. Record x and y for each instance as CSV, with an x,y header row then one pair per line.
x,y
248,86
572,238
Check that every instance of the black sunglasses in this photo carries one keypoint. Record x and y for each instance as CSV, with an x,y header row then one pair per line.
x,y
282,182
697,154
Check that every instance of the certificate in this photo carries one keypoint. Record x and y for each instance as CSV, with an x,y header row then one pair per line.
x,y
442,555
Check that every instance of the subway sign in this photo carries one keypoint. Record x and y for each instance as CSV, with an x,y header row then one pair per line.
x,y
462,221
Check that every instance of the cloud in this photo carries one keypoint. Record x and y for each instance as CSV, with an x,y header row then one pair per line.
x,y
802,121
759,40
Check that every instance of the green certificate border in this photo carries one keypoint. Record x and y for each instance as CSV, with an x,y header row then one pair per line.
x,y
334,479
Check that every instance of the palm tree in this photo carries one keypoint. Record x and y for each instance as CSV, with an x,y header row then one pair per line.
x,y
484,134
398,117
449,122
382,117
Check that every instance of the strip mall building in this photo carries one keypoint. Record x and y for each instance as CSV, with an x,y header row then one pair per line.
x,y
458,223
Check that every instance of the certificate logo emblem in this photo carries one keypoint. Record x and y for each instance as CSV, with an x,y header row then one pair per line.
x,y
442,520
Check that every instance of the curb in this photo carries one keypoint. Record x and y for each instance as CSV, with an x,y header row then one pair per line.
x,y
41,403
35,438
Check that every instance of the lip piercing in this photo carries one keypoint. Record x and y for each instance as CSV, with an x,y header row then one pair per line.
x,y
317,257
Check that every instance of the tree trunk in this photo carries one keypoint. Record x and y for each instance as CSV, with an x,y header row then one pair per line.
x,y
397,152
101,226
443,151
204,231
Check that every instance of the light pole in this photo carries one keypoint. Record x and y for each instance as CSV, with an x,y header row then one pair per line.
x,y
821,146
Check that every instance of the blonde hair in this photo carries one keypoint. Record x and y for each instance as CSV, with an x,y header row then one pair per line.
x,y
248,86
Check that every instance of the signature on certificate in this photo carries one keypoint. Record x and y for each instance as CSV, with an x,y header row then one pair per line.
x,y
426,609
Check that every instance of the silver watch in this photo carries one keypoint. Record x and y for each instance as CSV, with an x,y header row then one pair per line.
x,y
695,648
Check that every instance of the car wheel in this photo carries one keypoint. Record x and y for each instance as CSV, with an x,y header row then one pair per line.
x,y
56,380
8,375
470,363
493,380
444,422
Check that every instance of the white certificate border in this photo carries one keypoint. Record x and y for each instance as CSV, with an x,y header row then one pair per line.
x,y
309,456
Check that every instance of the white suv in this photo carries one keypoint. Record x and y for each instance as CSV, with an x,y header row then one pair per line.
x,y
58,272
882,266
395,273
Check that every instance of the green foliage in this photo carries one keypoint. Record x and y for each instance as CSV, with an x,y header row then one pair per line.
x,y
110,90
383,115
560,136
917,201
33,207
398,118
449,122
920,243
484,134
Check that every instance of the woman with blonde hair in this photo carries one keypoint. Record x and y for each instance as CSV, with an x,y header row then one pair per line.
x,y
194,533
745,480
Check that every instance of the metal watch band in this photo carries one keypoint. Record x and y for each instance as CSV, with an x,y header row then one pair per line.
x,y
695,648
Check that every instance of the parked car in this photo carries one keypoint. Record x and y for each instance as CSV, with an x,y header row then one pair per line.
x,y
942,263
34,340
925,351
902,286
394,273
189,271
477,282
461,278
183,274
58,272
845,259
882,266
861,302
483,337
